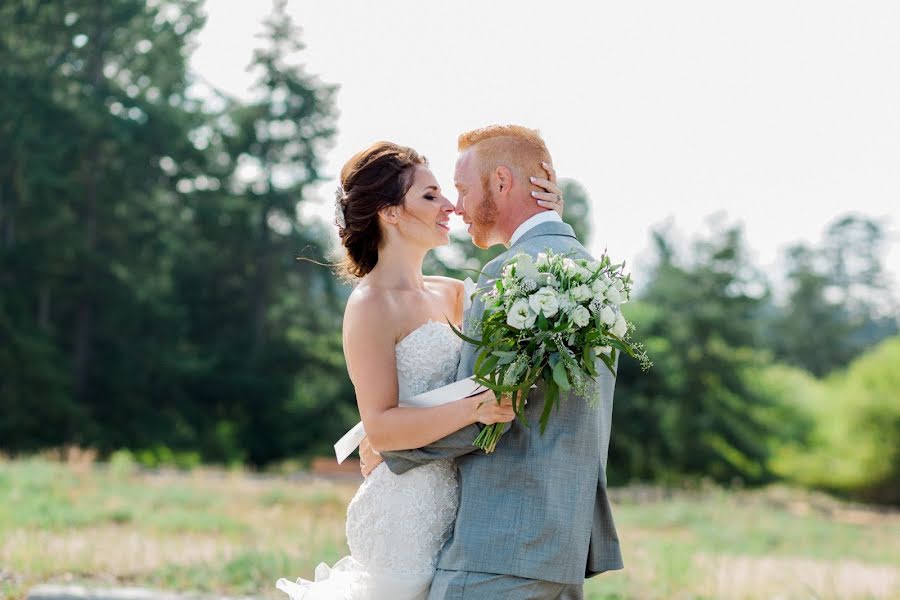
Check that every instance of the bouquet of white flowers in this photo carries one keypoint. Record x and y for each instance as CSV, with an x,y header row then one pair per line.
x,y
552,319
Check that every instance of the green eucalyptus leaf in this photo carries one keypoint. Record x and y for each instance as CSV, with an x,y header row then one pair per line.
x,y
551,397
560,376
464,337
505,357
609,362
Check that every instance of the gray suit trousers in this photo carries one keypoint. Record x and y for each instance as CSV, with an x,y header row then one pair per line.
x,y
466,585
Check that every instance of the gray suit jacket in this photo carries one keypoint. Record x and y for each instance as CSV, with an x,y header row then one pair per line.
x,y
537,506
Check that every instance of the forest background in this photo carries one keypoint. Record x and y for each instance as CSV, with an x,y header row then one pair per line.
x,y
152,302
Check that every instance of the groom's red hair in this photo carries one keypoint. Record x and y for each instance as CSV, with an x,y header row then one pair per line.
x,y
519,148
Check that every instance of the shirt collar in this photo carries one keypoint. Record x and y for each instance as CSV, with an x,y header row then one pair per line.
x,y
547,216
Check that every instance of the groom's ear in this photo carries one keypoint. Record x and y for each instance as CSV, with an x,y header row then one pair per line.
x,y
503,177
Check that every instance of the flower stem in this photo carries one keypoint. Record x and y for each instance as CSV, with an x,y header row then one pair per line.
x,y
488,438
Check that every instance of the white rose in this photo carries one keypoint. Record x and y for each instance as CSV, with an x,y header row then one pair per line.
x,y
547,279
570,267
544,300
573,269
599,287
613,295
619,285
543,261
520,315
525,266
566,303
607,315
620,328
581,293
581,316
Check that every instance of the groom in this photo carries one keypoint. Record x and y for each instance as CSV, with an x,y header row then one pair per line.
x,y
534,519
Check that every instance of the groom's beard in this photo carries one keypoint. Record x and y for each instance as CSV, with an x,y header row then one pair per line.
x,y
484,219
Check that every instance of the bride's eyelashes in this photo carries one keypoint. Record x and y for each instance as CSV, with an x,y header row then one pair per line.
x,y
427,197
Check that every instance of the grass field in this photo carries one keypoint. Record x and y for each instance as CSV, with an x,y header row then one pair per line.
x,y
233,533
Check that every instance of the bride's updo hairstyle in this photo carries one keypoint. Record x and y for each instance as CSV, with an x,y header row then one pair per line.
x,y
372,180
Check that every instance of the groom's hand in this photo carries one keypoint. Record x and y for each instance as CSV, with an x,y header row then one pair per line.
x,y
487,410
368,457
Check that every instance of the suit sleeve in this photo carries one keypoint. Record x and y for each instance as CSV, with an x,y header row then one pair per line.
x,y
458,443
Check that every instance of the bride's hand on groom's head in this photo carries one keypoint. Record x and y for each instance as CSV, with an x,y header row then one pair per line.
x,y
368,457
551,197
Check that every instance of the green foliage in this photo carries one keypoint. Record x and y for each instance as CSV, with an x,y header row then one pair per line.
x,y
839,301
577,211
696,411
519,348
152,305
714,404
150,296
853,446
156,457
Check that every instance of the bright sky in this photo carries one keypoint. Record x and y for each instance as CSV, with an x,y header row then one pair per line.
x,y
782,115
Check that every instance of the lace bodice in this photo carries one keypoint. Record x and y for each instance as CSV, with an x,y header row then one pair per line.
x,y
427,359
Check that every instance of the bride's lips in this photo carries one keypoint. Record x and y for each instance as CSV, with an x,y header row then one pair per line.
x,y
444,225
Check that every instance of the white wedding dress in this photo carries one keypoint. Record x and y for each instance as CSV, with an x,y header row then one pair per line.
x,y
397,524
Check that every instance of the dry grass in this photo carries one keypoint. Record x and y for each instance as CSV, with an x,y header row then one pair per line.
x,y
234,533
729,577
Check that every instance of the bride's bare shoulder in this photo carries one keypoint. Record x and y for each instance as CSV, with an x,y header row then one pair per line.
x,y
453,291
450,285
366,302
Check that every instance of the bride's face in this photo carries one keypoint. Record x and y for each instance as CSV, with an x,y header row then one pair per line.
x,y
425,214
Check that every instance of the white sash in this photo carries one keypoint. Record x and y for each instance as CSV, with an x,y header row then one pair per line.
x,y
454,391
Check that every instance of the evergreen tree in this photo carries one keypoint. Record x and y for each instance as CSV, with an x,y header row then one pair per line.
x,y
266,315
696,411
93,102
840,300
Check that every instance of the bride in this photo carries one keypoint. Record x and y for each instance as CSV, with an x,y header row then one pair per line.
x,y
397,344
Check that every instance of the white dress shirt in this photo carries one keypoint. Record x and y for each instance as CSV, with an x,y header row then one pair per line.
x,y
543,217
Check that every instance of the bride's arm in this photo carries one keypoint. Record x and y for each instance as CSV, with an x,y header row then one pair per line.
x,y
369,346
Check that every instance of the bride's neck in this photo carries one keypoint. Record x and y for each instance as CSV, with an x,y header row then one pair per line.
x,y
399,266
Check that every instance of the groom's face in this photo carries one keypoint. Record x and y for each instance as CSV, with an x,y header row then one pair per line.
x,y
476,203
